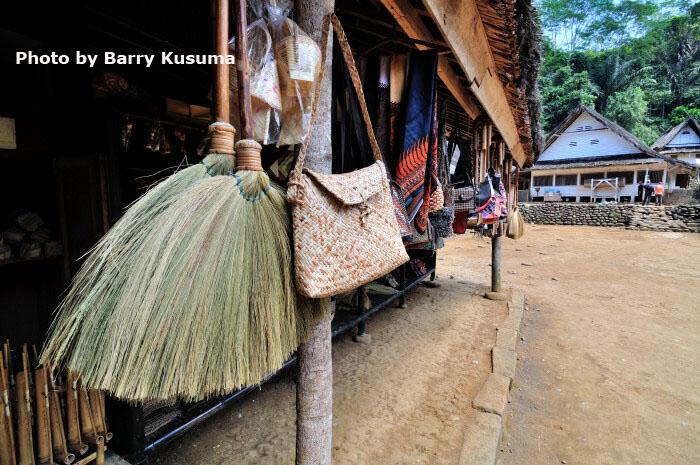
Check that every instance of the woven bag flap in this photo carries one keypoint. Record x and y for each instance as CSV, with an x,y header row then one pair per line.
x,y
355,187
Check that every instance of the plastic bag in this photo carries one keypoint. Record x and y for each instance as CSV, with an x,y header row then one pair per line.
x,y
298,59
266,100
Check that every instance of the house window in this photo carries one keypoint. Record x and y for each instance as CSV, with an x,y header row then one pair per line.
x,y
654,176
573,143
566,180
627,176
579,128
541,181
586,177
588,128
595,141
685,132
682,180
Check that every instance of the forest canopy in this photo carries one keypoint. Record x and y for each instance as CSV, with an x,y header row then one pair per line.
x,y
636,62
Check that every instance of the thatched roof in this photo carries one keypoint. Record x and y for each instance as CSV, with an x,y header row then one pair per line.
x,y
615,128
514,35
592,162
668,136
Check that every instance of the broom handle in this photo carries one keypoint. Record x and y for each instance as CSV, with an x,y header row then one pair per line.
x,y
221,85
243,71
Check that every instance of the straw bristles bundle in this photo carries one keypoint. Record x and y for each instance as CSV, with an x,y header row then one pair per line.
x,y
201,301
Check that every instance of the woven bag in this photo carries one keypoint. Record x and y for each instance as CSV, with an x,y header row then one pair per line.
x,y
345,229
464,199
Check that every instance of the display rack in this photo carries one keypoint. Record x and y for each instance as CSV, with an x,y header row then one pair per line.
x,y
139,447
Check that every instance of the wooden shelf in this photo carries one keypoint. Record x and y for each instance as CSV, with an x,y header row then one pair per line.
x,y
16,261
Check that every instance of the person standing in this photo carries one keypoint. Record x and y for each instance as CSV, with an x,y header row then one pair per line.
x,y
648,192
640,191
659,193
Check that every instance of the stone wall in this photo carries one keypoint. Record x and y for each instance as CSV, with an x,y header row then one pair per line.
x,y
682,196
681,218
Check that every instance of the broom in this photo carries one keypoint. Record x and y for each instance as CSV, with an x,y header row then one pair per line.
x,y
202,300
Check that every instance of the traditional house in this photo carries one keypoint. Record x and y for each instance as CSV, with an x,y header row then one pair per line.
x,y
589,158
681,142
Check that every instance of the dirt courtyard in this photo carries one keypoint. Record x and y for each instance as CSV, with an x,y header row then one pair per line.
x,y
607,371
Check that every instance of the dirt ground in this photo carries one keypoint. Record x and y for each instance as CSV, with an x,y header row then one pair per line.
x,y
403,399
607,370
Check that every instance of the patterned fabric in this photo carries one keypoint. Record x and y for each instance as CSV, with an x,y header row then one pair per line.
x,y
400,210
464,199
416,170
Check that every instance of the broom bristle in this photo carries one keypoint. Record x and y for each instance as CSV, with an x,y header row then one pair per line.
x,y
200,302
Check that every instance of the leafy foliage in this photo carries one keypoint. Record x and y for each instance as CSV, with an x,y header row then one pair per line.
x,y
635,61
680,113
629,109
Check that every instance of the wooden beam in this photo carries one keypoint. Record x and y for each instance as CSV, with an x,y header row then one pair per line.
x,y
462,28
410,21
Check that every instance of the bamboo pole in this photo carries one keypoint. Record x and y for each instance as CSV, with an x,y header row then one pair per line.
x,y
8,364
96,399
221,84
42,420
25,442
7,437
58,435
87,422
75,441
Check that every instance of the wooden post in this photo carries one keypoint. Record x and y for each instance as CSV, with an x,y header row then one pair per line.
x,y
243,70
221,85
495,292
315,382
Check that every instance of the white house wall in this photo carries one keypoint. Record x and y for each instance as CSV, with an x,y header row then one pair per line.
x,y
582,132
685,140
578,191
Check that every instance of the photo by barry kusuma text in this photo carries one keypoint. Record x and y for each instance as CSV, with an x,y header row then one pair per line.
x,y
112,58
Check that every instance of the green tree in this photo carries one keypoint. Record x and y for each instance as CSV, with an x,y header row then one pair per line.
x,y
630,109
613,73
679,55
562,90
621,44
680,113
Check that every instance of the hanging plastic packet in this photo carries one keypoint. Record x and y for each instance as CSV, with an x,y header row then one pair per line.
x,y
298,63
265,94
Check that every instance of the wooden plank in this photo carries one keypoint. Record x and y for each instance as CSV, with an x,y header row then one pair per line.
x,y
410,21
462,28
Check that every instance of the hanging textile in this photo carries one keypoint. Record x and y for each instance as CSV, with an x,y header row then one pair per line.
x,y
397,82
416,171
351,146
442,219
382,114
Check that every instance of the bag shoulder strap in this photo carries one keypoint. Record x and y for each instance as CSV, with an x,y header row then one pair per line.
x,y
354,76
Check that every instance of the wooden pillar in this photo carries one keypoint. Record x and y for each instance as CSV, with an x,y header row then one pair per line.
x,y
315,381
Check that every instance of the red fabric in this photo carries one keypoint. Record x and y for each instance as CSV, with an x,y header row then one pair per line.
x,y
459,225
